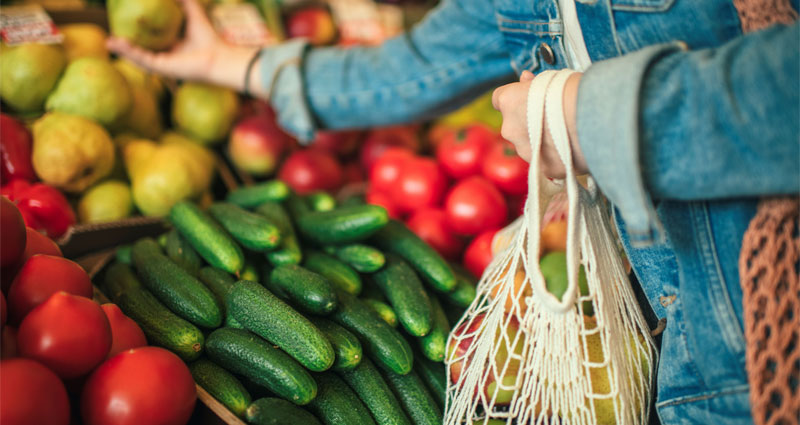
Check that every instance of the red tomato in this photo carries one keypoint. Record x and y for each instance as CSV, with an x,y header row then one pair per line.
x,y
421,184
36,243
430,224
516,205
380,139
8,345
41,277
478,254
125,333
353,173
386,170
31,394
461,152
146,385
311,169
376,197
12,244
437,133
67,333
342,143
503,167
474,205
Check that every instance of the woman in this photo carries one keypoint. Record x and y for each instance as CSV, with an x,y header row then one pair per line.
x,y
682,119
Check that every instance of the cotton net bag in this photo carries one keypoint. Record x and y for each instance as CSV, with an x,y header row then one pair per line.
x,y
522,355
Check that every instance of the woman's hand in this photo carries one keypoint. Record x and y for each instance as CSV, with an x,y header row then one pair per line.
x,y
512,101
201,56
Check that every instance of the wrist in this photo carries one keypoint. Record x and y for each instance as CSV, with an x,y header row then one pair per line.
x,y
229,66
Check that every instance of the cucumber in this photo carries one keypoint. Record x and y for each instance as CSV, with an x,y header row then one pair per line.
x,y
345,344
372,292
222,385
258,310
321,201
415,398
396,238
434,344
405,293
434,375
175,287
465,290
123,254
307,290
352,200
250,271
244,353
181,253
342,225
253,196
383,310
161,326
230,322
363,258
297,206
370,387
288,251
207,237
251,230
219,282
277,411
337,272
337,404
379,340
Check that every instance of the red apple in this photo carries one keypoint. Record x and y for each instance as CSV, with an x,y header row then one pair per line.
x,y
257,144
314,23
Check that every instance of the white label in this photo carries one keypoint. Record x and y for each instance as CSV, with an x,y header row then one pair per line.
x,y
27,24
241,24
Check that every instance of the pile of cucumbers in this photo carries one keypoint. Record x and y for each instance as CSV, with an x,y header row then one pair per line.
x,y
321,313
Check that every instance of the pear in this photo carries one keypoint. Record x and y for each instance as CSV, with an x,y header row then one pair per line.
x,y
136,76
81,40
71,152
200,161
107,201
204,112
144,116
92,88
28,73
152,24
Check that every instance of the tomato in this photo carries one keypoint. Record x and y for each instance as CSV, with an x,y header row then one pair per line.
x,y
31,394
352,173
516,205
503,167
430,224
380,139
41,277
36,243
146,385
461,152
478,254
67,333
341,143
386,171
12,244
376,197
474,205
421,184
437,133
8,345
308,170
125,333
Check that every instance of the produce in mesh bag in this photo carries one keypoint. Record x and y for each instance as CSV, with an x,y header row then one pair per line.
x,y
540,342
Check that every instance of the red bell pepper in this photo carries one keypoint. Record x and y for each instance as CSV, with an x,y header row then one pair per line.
x,y
15,151
43,207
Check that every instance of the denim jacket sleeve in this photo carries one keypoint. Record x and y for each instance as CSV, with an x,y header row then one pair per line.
x,y
454,54
690,125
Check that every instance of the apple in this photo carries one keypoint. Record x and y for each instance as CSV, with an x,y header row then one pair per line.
x,y
502,365
342,143
314,23
257,144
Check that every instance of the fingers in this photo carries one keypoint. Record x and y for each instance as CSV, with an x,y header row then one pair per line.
x,y
138,55
526,76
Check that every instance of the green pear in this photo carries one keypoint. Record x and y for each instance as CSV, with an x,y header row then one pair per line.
x,y
107,201
28,73
204,112
554,270
81,40
135,75
152,24
92,88
71,152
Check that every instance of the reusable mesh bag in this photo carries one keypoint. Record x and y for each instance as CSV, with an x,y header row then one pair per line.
x,y
522,355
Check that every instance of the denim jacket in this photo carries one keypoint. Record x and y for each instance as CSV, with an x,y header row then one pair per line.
x,y
684,123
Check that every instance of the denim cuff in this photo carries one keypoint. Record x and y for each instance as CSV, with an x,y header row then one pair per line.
x,y
608,130
282,78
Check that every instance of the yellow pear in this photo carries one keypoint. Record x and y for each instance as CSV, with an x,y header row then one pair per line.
x,y
81,40
144,116
107,201
28,74
137,76
199,160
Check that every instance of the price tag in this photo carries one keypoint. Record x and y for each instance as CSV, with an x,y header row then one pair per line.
x,y
27,24
241,24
